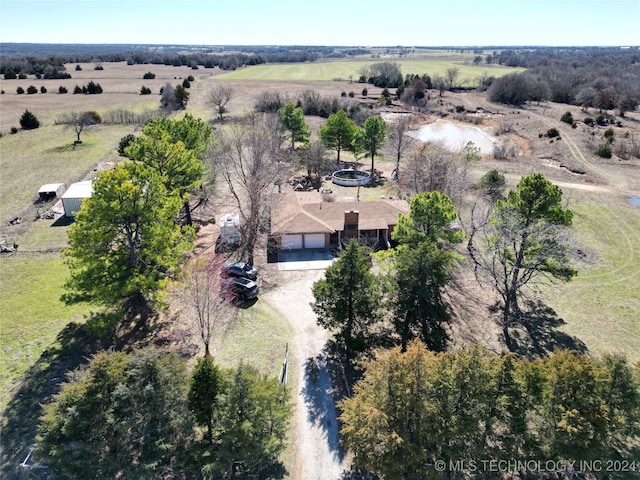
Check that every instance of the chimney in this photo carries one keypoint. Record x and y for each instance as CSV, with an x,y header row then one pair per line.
x,y
351,218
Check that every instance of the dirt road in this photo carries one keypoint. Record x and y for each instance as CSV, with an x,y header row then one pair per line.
x,y
316,451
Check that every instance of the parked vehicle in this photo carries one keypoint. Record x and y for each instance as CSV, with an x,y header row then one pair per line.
x,y
240,269
239,288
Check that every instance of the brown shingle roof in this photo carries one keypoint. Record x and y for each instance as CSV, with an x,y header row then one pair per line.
x,y
305,212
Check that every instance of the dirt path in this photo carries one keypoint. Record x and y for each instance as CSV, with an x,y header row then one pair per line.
x,y
317,454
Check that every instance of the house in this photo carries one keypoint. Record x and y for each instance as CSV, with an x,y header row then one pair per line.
x,y
72,198
302,220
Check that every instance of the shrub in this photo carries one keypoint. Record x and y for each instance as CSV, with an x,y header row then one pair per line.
x,y
78,68
600,119
460,108
574,125
552,133
567,118
145,91
43,89
14,130
31,90
589,121
190,78
149,76
186,83
492,182
9,74
98,67
19,90
351,95
608,134
28,121
22,76
62,89
604,150
95,116
77,89
93,88
365,92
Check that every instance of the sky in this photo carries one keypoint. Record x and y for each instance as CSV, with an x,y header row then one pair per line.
x,y
324,22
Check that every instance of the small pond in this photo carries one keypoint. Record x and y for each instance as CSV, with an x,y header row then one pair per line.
x,y
350,177
634,201
454,136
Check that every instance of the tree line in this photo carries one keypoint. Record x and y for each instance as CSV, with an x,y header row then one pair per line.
x,y
144,415
417,414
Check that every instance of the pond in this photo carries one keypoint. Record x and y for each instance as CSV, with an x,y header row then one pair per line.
x,y
634,201
454,136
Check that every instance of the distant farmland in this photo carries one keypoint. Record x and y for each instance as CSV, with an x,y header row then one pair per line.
x,y
346,70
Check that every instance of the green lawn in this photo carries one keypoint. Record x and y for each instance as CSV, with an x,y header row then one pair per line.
x,y
32,313
601,305
346,70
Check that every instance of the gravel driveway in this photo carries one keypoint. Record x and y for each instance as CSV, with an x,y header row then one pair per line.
x,y
317,454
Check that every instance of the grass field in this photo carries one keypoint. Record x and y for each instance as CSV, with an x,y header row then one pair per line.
x,y
32,158
346,70
601,305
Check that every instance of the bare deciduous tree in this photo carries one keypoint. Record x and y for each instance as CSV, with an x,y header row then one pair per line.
x,y
247,157
434,168
199,291
218,98
399,142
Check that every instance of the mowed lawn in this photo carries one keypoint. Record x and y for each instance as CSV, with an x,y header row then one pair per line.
x,y
601,306
350,70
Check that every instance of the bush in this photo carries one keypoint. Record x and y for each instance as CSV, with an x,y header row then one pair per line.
x,y
552,133
31,90
589,121
9,74
608,134
567,118
19,90
365,92
600,119
95,116
28,121
22,76
190,78
186,83
93,88
62,89
14,130
604,151
78,68
145,91
98,67
149,76
351,95
77,89
492,182
460,108
43,89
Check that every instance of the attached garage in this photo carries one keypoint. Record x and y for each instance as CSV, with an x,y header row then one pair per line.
x,y
291,242
314,240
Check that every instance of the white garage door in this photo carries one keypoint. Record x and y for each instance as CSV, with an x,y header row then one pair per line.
x,y
291,242
314,240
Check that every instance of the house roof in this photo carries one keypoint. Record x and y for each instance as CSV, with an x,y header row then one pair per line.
x,y
305,212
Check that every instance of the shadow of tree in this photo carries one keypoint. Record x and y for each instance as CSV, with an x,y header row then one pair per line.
x,y
542,334
320,398
354,473
73,348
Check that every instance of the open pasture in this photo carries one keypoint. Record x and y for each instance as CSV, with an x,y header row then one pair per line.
x,y
345,70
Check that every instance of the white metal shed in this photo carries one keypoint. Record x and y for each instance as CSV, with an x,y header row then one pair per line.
x,y
72,198
50,190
